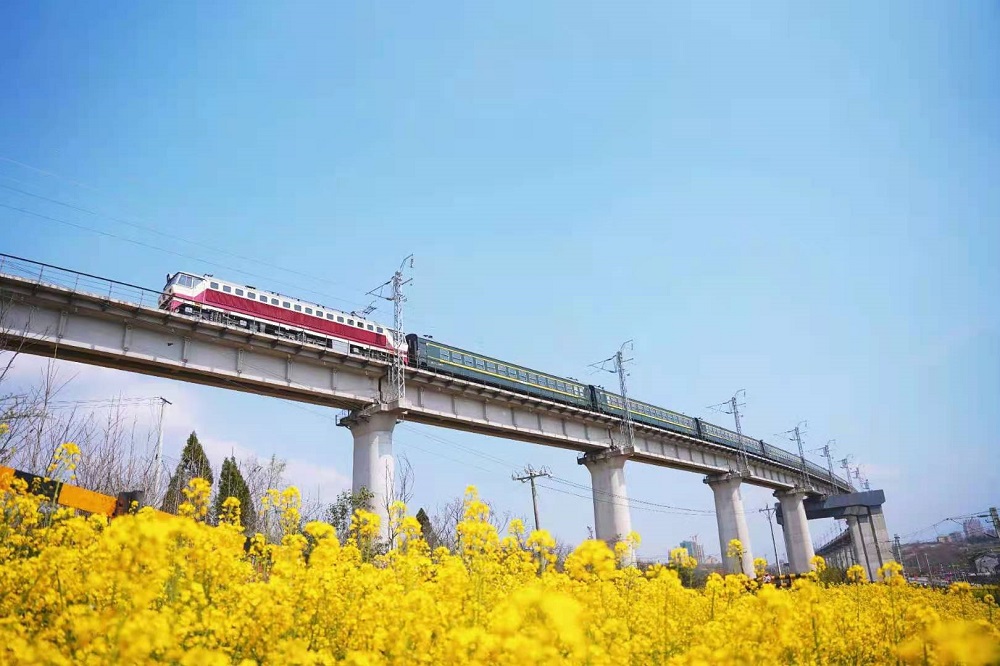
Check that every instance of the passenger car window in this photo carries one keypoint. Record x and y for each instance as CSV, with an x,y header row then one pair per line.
x,y
370,327
297,307
226,288
286,304
309,310
239,292
263,298
340,319
252,295
378,329
214,285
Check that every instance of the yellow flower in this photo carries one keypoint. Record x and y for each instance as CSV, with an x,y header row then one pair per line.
x,y
856,574
150,588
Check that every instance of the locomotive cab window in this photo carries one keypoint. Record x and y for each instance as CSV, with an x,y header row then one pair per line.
x,y
378,329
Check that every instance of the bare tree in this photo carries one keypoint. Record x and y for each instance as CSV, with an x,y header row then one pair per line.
x,y
401,490
261,477
448,515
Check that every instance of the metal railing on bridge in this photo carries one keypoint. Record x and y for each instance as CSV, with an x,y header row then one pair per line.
x,y
81,283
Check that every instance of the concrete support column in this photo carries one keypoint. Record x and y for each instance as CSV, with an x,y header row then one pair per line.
x,y
880,535
795,527
612,520
732,520
374,465
859,546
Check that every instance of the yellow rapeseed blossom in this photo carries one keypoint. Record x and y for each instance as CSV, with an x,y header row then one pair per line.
x,y
64,462
149,590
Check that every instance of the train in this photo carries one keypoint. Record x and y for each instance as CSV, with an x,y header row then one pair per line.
x,y
257,310
260,311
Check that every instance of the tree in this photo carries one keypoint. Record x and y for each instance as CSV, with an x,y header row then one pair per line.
x,y
193,463
347,503
232,484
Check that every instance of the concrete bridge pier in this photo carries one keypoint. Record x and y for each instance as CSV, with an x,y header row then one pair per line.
x,y
795,528
612,520
374,465
870,539
732,520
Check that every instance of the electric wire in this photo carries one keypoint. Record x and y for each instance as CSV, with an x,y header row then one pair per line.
x,y
181,255
609,498
172,236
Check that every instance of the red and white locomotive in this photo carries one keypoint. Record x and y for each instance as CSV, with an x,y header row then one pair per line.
x,y
260,311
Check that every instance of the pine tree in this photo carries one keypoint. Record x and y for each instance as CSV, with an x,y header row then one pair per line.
x,y
232,484
193,463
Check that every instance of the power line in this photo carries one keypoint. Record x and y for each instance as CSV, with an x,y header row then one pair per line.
x,y
181,255
172,236
634,503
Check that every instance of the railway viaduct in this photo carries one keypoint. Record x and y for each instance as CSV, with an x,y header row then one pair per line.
x,y
50,311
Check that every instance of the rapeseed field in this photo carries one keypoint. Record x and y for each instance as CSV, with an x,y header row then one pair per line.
x,y
146,589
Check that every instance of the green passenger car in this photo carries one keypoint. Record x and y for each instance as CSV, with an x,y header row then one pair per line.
x,y
612,403
439,357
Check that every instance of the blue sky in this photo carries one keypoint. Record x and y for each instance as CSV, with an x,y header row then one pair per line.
x,y
796,200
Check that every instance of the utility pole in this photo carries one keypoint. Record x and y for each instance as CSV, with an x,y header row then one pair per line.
x,y
846,464
159,450
777,561
618,362
397,368
996,520
802,455
530,474
829,462
732,406
898,548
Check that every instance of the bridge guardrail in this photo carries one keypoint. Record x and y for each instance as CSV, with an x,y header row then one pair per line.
x,y
77,282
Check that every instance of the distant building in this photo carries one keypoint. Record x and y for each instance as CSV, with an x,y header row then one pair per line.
x,y
973,528
956,537
694,549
